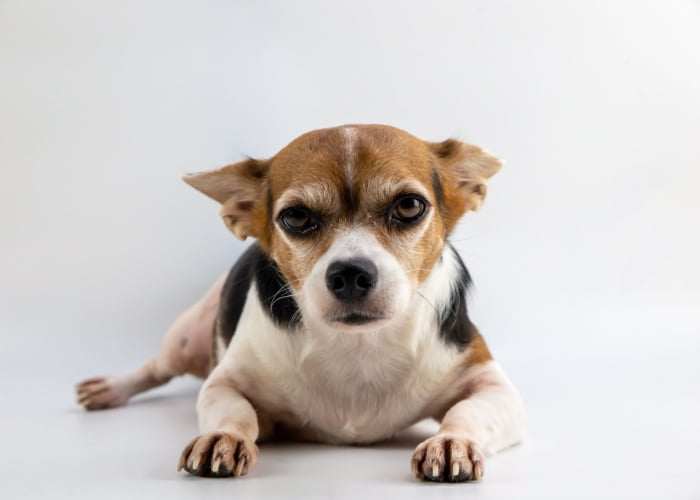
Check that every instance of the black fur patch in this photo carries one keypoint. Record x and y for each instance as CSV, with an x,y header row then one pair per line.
x,y
455,327
437,188
273,293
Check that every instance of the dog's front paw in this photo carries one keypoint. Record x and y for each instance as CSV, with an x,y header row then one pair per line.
x,y
445,457
218,454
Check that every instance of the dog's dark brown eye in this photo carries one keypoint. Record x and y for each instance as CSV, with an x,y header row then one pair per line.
x,y
298,220
408,209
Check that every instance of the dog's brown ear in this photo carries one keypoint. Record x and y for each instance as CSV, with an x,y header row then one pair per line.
x,y
468,167
238,188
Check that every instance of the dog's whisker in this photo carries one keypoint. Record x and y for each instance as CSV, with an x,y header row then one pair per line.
x,y
418,292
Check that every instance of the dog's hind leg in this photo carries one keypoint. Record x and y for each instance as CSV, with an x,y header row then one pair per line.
x,y
186,348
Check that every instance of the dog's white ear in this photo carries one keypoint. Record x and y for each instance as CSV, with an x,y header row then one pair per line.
x,y
237,187
468,166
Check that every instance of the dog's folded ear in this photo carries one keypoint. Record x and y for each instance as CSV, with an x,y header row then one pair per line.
x,y
467,167
238,187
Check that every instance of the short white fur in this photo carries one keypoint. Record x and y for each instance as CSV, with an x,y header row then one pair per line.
x,y
351,388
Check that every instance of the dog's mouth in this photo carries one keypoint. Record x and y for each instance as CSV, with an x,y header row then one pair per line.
x,y
357,319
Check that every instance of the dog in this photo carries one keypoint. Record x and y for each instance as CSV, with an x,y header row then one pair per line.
x,y
346,320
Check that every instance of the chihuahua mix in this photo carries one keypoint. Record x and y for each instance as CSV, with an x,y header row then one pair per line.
x,y
346,320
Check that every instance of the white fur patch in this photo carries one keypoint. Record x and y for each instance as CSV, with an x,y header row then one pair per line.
x,y
493,415
389,298
349,387
350,135
316,196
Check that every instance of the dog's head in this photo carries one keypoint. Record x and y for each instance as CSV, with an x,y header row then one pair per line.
x,y
355,216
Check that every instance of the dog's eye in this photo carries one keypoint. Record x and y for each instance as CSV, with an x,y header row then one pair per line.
x,y
298,220
408,209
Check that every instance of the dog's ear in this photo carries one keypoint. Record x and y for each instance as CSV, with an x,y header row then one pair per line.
x,y
468,167
238,187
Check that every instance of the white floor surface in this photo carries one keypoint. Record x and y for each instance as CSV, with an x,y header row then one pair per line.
x,y
623,428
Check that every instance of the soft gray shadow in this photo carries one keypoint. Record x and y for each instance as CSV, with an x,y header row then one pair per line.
x,y
406,439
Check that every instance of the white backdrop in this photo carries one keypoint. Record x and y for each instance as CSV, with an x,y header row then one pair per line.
x,y
587,247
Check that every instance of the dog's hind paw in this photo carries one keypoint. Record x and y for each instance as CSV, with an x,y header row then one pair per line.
x,y
218,454
100,393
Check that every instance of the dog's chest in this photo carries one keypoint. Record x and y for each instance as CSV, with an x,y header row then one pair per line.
x,y
360,396
353,389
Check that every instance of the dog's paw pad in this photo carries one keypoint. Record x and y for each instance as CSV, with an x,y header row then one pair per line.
x,y
218,454
100,393
448,458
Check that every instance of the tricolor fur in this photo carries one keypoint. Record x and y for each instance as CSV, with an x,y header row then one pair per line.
x,y
346,321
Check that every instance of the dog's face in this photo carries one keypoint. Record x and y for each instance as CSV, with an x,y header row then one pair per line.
x,y
355,217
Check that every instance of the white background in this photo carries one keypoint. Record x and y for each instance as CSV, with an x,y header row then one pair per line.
x,y
585,255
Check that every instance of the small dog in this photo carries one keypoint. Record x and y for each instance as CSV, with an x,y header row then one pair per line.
x,y
346,321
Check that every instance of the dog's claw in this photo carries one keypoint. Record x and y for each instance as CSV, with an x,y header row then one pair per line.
x,y
239,467
477,472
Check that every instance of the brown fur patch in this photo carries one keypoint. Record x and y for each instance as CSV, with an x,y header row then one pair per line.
x,y
238,188
363,169
477,351
464,170
381,160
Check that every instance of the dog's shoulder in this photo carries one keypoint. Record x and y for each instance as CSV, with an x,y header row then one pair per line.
x,y
455,327
255,267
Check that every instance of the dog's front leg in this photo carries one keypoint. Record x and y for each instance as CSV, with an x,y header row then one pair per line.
x,y
488,419
229,428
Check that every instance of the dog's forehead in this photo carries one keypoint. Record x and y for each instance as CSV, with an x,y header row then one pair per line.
x,y
350,158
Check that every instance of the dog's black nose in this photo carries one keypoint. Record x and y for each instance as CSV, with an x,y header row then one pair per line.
x,y
351,280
